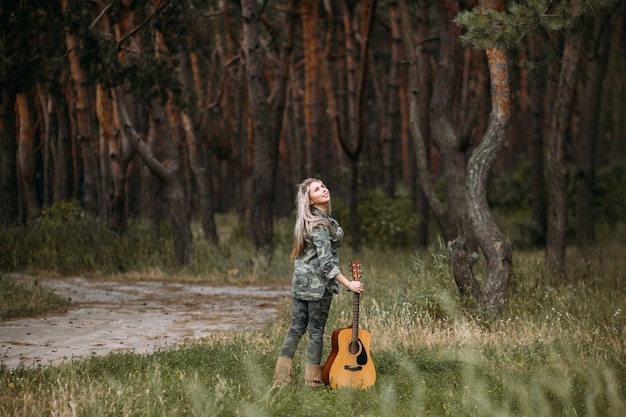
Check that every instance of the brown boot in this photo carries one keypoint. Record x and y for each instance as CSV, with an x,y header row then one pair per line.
x,y
313,375
283,374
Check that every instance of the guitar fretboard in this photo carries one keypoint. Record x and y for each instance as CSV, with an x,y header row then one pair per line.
x,y
355,268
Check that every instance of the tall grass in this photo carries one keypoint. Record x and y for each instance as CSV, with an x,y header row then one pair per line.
x,y
19,298
557,351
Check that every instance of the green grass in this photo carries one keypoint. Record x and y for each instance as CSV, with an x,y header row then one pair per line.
x,y
24,298
557,351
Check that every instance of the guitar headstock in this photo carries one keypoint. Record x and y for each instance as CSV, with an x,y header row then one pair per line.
x,y
355,269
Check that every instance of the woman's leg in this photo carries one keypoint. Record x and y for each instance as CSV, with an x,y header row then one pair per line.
x,y
299,322
318,314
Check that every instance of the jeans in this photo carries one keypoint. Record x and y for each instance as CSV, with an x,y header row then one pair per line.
x,y
311,314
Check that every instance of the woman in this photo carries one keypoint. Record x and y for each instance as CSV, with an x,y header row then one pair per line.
x,y
315,279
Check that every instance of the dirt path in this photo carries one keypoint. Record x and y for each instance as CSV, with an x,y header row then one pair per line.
x,y
109,316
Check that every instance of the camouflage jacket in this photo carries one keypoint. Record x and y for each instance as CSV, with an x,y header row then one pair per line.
x,y
318,264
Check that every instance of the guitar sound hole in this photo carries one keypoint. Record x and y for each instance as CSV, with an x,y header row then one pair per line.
x,y
354,348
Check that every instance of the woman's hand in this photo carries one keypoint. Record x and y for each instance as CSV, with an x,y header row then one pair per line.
x,y
355,286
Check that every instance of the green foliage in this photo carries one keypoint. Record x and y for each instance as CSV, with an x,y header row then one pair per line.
x,y
385,222
19,298
507,29
67,240
509,197
23,46
609,199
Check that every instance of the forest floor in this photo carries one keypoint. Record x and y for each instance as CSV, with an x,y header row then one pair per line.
x,y
141,317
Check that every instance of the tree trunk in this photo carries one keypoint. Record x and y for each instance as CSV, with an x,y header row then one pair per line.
x,y
419,140
556,164
595,64
335,112
391,136
200,164
26,156
84,128
267,124
356,79
537,94
169,173
495,246
9,209
310,101
420,87
118,157
48,130
424,77
451,148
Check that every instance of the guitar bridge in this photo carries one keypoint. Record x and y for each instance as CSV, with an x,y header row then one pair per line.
x,y
353,368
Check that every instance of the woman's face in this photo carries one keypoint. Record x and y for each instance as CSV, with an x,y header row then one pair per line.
x,y
318,194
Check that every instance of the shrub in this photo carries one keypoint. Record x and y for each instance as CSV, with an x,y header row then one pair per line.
x,y
385,222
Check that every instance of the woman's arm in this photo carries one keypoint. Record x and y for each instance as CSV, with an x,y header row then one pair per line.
x,y
354,286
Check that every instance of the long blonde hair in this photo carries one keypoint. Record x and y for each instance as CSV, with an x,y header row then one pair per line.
x,y
305,219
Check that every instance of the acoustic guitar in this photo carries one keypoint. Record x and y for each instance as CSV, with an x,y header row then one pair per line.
x,y
349,363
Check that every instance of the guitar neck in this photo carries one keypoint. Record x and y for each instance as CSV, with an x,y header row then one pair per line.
x,y
355,268
355,318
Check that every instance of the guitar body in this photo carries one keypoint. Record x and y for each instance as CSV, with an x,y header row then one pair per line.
x,y
345,368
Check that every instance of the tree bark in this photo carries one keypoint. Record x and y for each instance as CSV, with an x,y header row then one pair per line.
x,y
84,128
356,81
200,163
9,207
556,163
167,172
47,129
391,137
424,77
448,143
26,157
595,62
495,246
335,111
118,157
537,94
420,88
310,101
421,153
267,124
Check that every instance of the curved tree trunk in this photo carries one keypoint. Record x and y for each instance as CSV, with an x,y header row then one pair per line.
x,y
495,246
421,153
168,174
